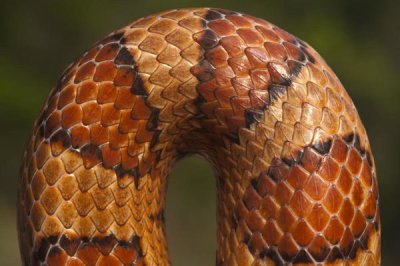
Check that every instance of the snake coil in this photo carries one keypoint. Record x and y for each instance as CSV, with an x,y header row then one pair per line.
x,y
296,179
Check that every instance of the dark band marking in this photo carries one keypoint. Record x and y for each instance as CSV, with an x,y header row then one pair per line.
x,y
70,245
60,141
252,115
92,154
113,37
212,15
323,147
204,71
277,88
50,247
42,249
124,57
310,159
138,88
105,244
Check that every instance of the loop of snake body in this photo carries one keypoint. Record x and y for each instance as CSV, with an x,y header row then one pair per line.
x,y
296,180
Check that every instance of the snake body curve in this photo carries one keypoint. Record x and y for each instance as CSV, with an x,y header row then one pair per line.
x,y
296,179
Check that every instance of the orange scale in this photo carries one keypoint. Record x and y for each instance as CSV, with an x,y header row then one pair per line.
x,y
354,161
140,110
91,113
110,115
80,136
71,115
117,138
334,231
110,156
88,254
85,72
239,21
107,93
52,124
67,95
125,99
105,71
251,37
87,91
276,51
222,27
108,52
125,76
98,134
234,45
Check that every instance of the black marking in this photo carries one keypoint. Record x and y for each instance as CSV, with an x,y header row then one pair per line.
x,y
288,161
135,241
124,57
323,147
161,215
212,15
42,249
273,171
235,221
122,40
349,138
321,254
254,183
252,115
155,137
275,91
304,48
276,172
310,58
279,85
91,155
105,244
334,255
357,144
273,255
369,158
208,40
113,37
353,252
218,261
234,137
52,239
199,100
294,68
354,140
246,238
152,123
203,71
60,141
302,257
158,216
138,87
70,245
54,251
124,173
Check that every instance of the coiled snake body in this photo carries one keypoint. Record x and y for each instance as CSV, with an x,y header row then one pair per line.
x,y
295,175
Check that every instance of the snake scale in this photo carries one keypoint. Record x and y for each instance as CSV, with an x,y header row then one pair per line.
x,y
296,180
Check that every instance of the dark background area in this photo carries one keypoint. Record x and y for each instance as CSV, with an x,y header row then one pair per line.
x,y
360,40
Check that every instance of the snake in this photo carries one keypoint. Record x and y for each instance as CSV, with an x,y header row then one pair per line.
x,y
295,175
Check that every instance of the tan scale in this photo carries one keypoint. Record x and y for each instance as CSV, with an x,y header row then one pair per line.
x,y
296,179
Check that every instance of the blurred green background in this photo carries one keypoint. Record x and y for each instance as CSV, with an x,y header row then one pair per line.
x,y
359,39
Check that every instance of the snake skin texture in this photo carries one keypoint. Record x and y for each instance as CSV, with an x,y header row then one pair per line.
x,y
296,179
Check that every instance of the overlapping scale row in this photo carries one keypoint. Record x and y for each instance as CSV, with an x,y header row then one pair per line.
x,y
296,177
